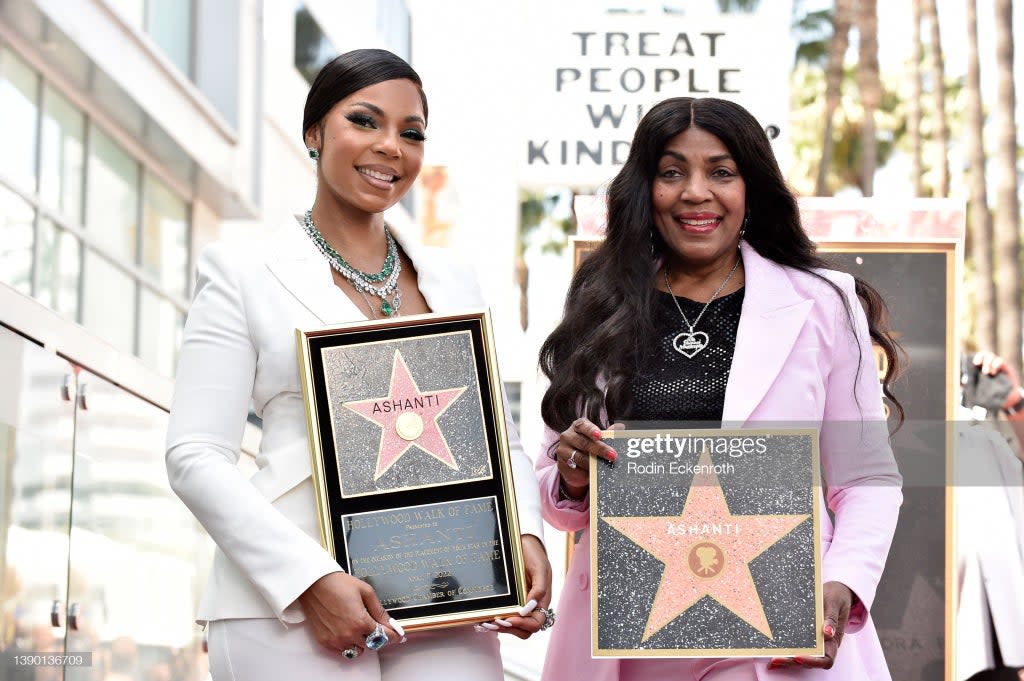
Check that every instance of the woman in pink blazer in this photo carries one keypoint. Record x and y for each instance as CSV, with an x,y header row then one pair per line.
x,y
707,304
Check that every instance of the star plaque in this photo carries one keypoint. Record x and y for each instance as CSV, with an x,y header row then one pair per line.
x,y
407,417
414,406
705,543
410,462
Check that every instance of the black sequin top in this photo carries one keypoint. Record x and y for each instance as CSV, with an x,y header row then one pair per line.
x,y
672,387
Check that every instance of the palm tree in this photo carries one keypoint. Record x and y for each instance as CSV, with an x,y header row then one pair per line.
x,y
980,216
807,97
938,69
1007,218
914,100
841,16
869,83
813,30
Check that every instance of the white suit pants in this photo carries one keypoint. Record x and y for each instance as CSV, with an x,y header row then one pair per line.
x,y
264,650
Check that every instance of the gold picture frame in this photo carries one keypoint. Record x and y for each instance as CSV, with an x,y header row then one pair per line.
x,y
411,464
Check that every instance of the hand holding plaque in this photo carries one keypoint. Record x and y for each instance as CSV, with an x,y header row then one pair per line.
x,y
411,465
341,609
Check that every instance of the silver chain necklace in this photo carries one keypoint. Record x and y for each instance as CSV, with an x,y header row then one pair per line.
x,y
363,281
689,343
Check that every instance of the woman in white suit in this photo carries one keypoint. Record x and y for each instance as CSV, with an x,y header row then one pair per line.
x,y
277,604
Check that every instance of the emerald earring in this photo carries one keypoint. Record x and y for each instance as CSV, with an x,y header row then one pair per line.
x,y
313,154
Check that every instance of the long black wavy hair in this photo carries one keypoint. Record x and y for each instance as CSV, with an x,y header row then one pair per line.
x,y
610,303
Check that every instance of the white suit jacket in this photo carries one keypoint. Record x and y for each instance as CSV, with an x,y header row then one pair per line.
x,y
989,505
239,348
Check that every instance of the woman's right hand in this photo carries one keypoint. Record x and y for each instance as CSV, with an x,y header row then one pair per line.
x,y
343,610
576,446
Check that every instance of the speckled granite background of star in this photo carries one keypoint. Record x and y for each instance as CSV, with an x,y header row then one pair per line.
x,y
450,444
707,552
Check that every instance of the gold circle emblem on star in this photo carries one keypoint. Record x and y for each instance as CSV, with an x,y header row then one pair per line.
x,y
409,426
706,559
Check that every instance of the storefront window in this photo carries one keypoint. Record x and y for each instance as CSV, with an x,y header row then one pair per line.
x,y
160,327
19,94
16,238
70,232
169,24
108,307
60,267
312,48
165,236
112,202
61,167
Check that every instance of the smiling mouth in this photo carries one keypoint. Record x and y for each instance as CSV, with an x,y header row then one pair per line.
x,y
378,175
704,224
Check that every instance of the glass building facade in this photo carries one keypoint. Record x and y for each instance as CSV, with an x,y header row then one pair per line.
x,y
85,227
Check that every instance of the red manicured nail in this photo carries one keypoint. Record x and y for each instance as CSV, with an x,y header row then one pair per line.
x,y
597,434
611,456
830,631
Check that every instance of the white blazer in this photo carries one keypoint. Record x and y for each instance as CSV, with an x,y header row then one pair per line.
x,y
239,349
989,507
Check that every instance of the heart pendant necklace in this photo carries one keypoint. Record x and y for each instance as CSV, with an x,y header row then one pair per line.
x,y
690,343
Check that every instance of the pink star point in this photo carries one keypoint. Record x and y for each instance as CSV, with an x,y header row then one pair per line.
x,y
698,564
405,397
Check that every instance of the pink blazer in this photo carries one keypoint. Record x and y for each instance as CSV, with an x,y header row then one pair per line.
x,y
796,361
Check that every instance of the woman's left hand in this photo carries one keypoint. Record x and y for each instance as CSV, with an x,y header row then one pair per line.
x,y
838,599
538,581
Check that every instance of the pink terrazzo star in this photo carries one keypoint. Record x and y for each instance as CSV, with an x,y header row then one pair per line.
x,y
404,397
701,560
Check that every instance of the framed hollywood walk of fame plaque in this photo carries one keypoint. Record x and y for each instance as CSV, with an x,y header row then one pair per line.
x,y
411,465
706,544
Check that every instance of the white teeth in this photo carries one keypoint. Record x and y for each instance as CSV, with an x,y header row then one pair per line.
x,y
700,223
379,176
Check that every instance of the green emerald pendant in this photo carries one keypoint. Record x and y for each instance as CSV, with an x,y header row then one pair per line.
x,y
385,307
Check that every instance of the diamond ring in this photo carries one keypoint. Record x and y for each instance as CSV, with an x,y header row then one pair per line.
x,y
549,618
376,639
351,653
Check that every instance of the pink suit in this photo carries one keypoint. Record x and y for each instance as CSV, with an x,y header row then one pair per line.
x,y
796,362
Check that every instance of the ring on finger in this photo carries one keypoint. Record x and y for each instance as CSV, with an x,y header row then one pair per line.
x,y
350,653
377,638
571,461
549,618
